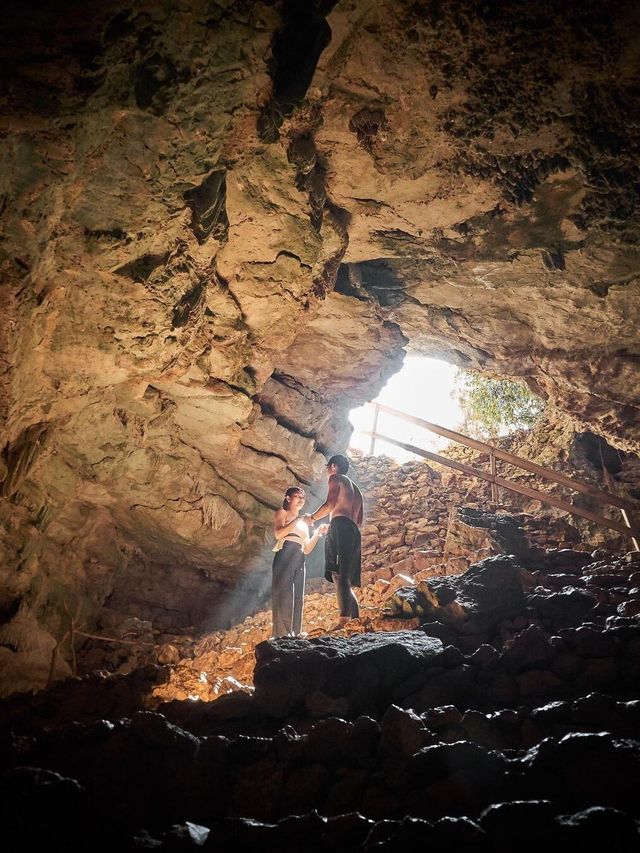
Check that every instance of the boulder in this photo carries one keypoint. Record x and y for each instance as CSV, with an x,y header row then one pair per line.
x,y
565,609
473,603
476,534
365,670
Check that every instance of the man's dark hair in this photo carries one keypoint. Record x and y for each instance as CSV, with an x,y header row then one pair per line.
x,y
341,462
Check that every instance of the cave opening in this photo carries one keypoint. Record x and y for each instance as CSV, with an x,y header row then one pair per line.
x,y
424,387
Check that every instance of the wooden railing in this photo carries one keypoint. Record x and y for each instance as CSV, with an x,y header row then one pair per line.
x,y
491,476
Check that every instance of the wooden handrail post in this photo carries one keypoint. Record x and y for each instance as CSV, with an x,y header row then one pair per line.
x,y
511,459
495,453
519,488
625,518
372,446
494,485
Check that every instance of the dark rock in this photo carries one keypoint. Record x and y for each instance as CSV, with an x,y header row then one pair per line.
x,y
403,732
485,657
530,649
520,825
452,685
480,729
211,780
185,836
629,608
302,831
245,749
583,769
289,745
256,790
599,828
411,833
145,769
346,791
598,673
502,690
441,632
445,715
599,713
567,560
631,712
509,723
232,707
538,684
365,669
565,609
589,642
434,763
458,833
451,657
329,740
474,533
43,810
488,593
567,665
381,834
242,834
347,831
365,738
552,713
303,789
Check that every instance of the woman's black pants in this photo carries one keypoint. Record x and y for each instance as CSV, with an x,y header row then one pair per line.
x,y
287,590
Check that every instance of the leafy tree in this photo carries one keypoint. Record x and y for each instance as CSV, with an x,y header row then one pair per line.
x,y
494,407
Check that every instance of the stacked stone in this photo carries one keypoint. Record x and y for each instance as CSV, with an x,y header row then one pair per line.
x,y
408,508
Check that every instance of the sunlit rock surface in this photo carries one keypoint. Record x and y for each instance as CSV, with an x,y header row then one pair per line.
x,y
223,224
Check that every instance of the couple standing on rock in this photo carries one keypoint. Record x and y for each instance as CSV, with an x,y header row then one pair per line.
x,y
342,549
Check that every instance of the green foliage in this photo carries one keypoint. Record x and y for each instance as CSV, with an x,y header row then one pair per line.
x,y
494,407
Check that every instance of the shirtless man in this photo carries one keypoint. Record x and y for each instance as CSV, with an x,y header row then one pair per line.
x,y
342,545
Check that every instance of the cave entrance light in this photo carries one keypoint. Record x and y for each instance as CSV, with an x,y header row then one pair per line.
x,y
424,388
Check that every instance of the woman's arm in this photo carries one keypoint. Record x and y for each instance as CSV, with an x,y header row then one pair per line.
x,y
311,543
280,528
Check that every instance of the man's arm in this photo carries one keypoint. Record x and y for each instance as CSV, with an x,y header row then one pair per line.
x,y
331,501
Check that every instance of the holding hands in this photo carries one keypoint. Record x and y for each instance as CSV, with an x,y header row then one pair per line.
x,y
308,519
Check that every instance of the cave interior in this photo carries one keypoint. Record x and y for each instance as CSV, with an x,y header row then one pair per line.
x,y
224,224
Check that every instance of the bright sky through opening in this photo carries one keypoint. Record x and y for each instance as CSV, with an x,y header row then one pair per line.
x,y
423,387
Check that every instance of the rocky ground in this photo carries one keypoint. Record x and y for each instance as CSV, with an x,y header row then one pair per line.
x,y
224,224
499,709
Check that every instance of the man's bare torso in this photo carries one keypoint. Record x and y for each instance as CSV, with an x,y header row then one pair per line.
x,y
349,503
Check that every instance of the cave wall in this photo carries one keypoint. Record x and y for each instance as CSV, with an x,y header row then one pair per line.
x,y
183,188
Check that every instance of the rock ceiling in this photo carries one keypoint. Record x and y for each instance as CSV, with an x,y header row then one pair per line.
x,y
223,222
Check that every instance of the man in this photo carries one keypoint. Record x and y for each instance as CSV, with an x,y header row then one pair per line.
x,y
342,546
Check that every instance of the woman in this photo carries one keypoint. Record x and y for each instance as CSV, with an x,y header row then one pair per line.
x,y
292,543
